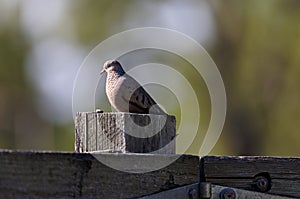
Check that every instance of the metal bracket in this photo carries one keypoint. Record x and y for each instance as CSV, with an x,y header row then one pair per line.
x,y
205,190
190,191
221,192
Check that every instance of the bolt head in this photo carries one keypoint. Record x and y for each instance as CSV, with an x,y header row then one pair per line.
x,y
227,194
193,194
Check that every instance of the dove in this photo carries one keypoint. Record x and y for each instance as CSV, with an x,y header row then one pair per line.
x,y
125,94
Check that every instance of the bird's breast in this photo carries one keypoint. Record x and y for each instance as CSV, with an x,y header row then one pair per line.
x,y
116,93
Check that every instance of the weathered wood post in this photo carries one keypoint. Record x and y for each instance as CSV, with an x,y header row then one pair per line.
x,y
125,132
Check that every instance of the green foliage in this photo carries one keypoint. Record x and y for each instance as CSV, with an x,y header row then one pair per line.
x,y
257,50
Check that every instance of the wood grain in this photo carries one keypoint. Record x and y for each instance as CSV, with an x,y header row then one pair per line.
x,y
125,132
240,172
80,175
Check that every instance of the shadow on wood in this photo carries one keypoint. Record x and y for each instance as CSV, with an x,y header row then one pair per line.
x,y
125,132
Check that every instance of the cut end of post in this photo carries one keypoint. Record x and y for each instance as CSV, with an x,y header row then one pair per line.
x,y
125,132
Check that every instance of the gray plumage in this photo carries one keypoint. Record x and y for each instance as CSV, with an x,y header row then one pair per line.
x,y
125,94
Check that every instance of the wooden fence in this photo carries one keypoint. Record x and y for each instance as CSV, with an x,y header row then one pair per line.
x,y
87,174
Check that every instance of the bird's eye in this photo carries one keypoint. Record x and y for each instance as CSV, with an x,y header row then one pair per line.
x,y
108,66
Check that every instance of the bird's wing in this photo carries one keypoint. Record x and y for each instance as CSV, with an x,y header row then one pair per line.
x,y
139,100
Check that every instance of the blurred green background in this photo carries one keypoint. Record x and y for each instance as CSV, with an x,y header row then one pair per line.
x,y
255,44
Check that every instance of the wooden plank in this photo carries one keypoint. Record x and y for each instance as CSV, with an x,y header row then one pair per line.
x,y
91,127
80,132
242,172
81,175
125,132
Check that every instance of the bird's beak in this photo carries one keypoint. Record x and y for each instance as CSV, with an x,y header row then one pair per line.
x,y
102,71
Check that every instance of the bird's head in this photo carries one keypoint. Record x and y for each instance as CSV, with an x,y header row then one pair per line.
x,y
112,66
